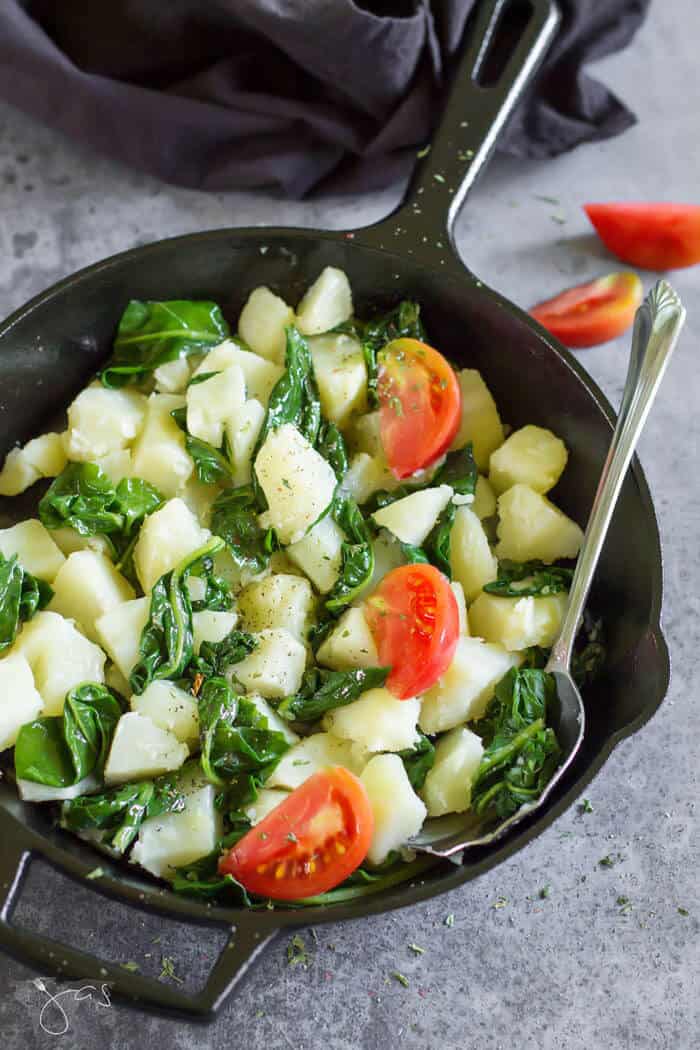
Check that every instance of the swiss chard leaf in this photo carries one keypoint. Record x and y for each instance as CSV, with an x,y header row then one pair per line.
x,y
234,518
294,397
418,761
234,736
332,447
21,596
323,691
152,333
63,750
211,465
529,579
357,554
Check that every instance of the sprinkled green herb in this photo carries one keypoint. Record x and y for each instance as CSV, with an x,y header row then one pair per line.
x,y
606,862
558,216
439,178
423,152
450,919
96,873
291,837
297,954
586,806
259,1014
168,969
400,977
624,904
544,892
547,200
500,902
131,967
684,912
416,948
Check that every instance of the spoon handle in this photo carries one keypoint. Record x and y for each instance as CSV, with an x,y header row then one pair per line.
x,y
657,325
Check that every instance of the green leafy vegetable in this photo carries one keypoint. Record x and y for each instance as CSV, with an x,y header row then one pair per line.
x,y
418,761
201,378
201,878
152,333
323,691
294,397
332,447
357,555
401,322
62,750
214,658
529,579
210,464
413,554
234,518
21,596
459,470
234,736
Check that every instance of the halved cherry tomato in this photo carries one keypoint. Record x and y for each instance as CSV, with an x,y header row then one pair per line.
x,y
419,405
309,843
414,620
592,313
652,236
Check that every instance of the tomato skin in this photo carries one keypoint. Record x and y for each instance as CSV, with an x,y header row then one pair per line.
x,y
592,313
420,404
287,856
414,620
653,236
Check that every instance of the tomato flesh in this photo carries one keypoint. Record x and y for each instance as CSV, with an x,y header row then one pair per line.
x,y
655,236
420,404
592,313
308,844
414,620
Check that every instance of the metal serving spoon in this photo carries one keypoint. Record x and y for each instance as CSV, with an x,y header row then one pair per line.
x,y
657,325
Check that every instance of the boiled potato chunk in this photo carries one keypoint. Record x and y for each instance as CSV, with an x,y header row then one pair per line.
x,y
484,504
377,721
280,600
531,456
410,519
530,528
119,632
259,373
86,587
116,465
19,700
480,423
517,623
471,559
102,420
297,481
364,435
159,455
166,538
341,376
243,431
319,554
274,723
60,658
311,754
366,475
42,457
350,644
262,324
33,791
69,541
266,801
171,708
142,749
173,376
171,840
214,401
398,812
34,547
275,667
447,787
458,591
210,625
467,685
17,474
327,303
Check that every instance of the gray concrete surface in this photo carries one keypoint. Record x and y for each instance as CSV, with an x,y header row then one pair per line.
x,y
574,970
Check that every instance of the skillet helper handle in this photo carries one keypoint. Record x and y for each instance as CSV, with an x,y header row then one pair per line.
x,y
478,105
63,962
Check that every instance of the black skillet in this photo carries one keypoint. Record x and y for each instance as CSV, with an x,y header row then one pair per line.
x,y
49,348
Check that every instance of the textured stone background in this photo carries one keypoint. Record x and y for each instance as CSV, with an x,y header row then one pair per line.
x,y
569,972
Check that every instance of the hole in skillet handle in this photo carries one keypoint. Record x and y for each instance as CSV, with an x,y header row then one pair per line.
x,y
506,30
20,867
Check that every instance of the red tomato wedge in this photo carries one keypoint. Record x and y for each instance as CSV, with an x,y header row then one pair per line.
x,y
592,313
652,236
414,620
419,405
309,843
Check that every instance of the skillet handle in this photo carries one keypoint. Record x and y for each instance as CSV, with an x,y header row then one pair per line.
x,y
251,933
478,105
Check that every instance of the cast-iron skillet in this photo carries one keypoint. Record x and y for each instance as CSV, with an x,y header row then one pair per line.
x,y
49,348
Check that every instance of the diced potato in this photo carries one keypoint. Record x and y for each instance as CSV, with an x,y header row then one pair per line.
x,y
166,538
278,601
364,435
531,527
159,455
341,376
387,556
311,754
34,547
243,431
458,591
214,401
410,519
60,658
259,373
275,668
481,423
142,749
116,465
212,626
102,420
327,303
350,644
17,474
530,456
297,481
19,700
171,840
471,560
377,721
266,801
484,505
262,324
47,454
86,586
274,722
119,632
33,791
398,812
366,475
116,681
199,496
319,554
171,708
173,376
517,623
69,541
467,685
448,785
